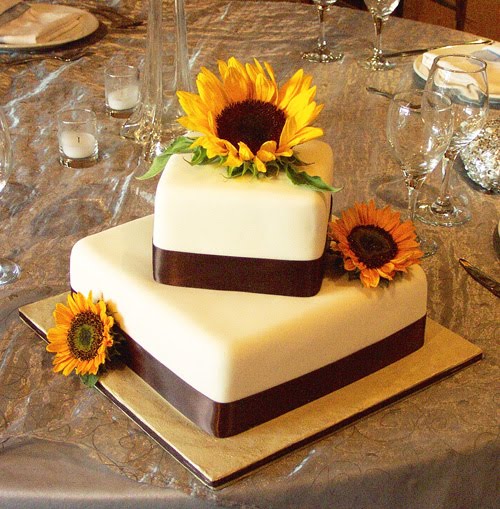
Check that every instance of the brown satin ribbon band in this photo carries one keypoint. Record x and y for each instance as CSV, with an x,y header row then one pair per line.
x,y
227,419
256,275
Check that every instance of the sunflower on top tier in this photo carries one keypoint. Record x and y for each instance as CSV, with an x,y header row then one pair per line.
x,y
246,117
247,123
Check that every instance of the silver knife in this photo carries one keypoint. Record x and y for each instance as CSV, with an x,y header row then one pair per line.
x,y
13,12
482,278
419,51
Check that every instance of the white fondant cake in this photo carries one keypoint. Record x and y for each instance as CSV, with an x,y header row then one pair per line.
x,y
199,210
231,345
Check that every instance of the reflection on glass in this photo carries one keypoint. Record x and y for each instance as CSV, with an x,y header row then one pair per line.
x,y
9,271
419,129
463,79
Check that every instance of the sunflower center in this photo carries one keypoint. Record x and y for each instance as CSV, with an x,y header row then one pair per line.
x,y
85,335
373,245
251,121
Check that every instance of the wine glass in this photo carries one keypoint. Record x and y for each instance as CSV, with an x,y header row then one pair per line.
x,y
463,79
9,271
380,11
323,53
419,130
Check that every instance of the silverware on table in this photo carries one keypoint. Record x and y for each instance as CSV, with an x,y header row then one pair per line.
x,y
419,51
68,56
483,279
377,91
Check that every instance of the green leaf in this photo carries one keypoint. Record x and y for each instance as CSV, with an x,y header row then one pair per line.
x,y
89,380
181,145
302,178
156,167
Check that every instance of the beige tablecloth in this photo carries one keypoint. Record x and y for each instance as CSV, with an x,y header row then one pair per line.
x,y
64,445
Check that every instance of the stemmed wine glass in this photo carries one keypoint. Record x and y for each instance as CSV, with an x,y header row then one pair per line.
x,y
463,79
380,10
322,53
9,271
419,130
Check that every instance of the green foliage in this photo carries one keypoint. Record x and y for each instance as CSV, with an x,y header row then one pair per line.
x,y
181,145
289,165
89,380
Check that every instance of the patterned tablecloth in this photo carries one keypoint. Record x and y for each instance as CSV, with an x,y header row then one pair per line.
x,y
64,445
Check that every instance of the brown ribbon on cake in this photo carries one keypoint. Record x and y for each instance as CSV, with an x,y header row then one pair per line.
x,y
256,275
227,419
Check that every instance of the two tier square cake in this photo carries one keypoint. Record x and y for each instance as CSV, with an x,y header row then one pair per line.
x,y
222,293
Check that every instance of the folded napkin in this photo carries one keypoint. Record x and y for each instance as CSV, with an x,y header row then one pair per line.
x,y
489,53
7,4
39,24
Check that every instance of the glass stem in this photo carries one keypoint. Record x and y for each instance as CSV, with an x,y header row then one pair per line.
x,y
322,31
443,203
139,125
413,184
377,49
181,76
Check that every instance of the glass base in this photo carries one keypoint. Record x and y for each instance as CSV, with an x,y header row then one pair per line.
x,y
428,246
119,113
323,56
430,214
84,162
9,271
375,64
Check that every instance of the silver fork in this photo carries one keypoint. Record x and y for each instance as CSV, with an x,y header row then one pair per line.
x,y
70,56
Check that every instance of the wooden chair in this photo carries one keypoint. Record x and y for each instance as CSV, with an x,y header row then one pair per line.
x,y
460,8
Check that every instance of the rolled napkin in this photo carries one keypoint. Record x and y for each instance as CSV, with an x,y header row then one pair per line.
x,y
41,23
489,53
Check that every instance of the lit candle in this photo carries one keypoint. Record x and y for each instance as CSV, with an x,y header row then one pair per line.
x,y
76,145
124,98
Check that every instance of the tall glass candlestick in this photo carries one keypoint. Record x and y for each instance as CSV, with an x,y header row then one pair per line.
x,y
154,124
139,126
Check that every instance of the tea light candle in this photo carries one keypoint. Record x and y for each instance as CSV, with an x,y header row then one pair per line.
x,y
121,89
78,145
77,132
124,98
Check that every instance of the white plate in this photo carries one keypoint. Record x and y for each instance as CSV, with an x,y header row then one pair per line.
x,y
423,72
87,25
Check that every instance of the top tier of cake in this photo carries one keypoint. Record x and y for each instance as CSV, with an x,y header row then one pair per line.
x,y
199,210
233,234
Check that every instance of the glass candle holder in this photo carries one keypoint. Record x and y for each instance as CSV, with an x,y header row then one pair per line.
x,y
121,87
77,134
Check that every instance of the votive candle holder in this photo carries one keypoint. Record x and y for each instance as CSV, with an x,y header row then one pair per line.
x,y
77,135
122,90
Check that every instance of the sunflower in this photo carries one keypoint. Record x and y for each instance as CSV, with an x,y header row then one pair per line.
x,y
246,118
374,242
81,337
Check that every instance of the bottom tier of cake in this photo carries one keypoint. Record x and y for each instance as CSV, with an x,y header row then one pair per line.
x,y
231,360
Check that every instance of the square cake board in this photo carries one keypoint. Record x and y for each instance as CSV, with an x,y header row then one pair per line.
x,y
218,461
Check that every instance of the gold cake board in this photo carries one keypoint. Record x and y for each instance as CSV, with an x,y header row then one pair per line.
x,y
217,461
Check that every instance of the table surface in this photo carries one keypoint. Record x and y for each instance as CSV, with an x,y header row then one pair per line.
x,y
64,445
